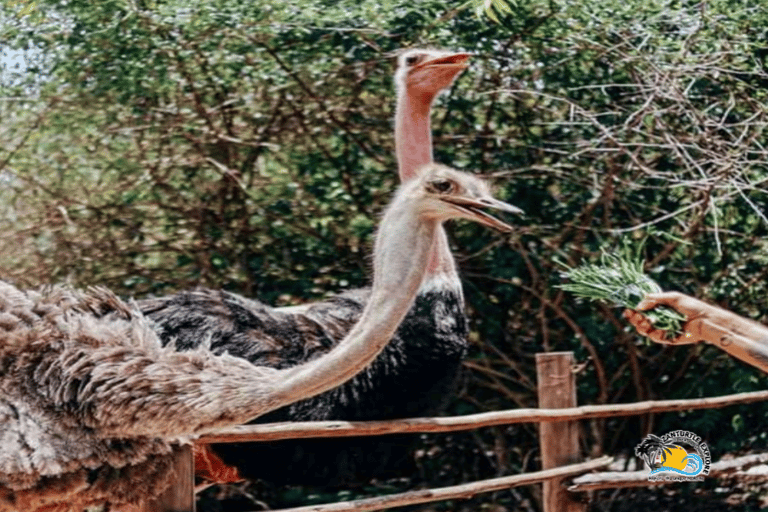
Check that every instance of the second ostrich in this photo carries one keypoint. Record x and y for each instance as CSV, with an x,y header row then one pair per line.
x,y
90,402
416,374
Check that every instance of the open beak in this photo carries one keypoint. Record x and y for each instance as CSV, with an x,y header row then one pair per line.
x,y
473,208
453,60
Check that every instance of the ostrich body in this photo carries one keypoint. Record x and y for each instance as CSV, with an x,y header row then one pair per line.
x,y
414,376
91,402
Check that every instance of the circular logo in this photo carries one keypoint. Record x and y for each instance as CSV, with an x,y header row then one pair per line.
x,y
678,455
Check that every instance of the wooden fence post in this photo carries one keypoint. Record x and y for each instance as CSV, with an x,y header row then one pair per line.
x,y
180,496
559,441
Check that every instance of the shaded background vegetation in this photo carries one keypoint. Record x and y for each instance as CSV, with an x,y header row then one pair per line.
x,y
157,146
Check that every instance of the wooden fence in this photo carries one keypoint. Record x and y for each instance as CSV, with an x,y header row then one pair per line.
x,y
563,476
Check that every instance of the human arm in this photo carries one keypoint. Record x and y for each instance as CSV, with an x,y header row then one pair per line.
x,y
740,337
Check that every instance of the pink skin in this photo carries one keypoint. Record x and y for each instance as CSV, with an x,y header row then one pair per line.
x,y
421,76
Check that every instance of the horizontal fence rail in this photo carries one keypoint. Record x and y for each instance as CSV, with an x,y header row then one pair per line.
x,y
462,491
308,429
737,467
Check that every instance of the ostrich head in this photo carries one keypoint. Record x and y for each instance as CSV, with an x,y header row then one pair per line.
x,y
428,72
443,193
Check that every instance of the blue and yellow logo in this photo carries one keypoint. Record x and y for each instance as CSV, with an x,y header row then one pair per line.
x,y
678,455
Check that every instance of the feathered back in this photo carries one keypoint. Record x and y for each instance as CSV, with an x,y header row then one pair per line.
x,y
48,455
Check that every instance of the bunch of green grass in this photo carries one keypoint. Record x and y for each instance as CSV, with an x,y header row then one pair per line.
x,y
620,280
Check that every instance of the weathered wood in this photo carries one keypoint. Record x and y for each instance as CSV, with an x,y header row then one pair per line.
x,y
308,429
748,468
559,441
455,491
180,496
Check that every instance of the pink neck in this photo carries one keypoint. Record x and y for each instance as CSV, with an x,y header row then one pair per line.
x,y
413,135
413,146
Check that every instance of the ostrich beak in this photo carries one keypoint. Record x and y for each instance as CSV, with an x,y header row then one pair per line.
x,y
473,210
452,60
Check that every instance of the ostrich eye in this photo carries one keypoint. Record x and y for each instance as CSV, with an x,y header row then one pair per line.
x,y
412,60
441,185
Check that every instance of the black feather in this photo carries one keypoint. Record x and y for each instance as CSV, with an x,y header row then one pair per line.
x,y
415,375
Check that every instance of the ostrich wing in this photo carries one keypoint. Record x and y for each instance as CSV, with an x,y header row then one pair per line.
x,y
251,330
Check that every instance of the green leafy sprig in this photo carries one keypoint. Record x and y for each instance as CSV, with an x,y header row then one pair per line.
x,y
619,279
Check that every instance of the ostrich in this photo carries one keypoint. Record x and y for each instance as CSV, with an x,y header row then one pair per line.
x,y
416,374
91,402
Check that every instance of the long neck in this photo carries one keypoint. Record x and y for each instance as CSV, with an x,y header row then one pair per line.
x,y
137,388
413,133
403,246
413,146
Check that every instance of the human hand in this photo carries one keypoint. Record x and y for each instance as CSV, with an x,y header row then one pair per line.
x,y
695,310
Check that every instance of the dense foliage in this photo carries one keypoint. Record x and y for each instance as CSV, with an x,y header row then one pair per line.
x,y
152,146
